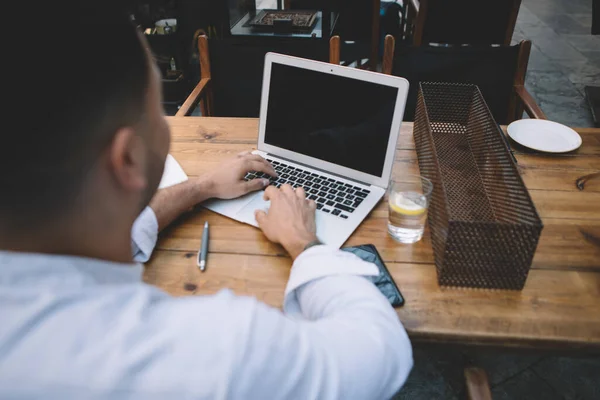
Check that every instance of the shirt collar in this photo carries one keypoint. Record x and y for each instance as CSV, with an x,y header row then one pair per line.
x,y
30,268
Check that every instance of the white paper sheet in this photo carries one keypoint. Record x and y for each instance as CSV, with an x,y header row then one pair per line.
x,y
173,173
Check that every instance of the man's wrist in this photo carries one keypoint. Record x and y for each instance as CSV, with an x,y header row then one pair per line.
x,y
296,246
203,188
313,243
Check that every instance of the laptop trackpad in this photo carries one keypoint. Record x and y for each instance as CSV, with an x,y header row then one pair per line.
x,y
246,214
327,226
231,207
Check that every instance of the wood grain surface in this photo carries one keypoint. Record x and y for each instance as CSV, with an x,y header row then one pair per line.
x,y
559,306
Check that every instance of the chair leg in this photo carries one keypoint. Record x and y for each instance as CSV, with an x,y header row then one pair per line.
x,y
478,386
203,108
210,103
519,111
206,103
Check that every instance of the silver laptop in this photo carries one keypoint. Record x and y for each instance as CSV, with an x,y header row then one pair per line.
x,y
331,130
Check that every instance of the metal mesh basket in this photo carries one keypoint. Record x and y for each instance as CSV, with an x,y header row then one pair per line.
x,y
483,224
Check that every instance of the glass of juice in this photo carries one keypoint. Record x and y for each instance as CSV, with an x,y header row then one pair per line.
x,y
409,197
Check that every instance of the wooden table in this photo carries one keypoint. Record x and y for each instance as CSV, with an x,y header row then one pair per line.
x,y
559,306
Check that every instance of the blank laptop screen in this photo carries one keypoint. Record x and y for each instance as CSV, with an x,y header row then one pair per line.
x,y
341,120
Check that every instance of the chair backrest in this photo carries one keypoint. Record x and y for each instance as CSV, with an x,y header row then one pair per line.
x,y
466,21
495,69
236,67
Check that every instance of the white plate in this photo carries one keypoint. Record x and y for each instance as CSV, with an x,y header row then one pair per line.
x,y
544,135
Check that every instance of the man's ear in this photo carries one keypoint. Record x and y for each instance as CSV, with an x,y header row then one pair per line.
x,y
127,160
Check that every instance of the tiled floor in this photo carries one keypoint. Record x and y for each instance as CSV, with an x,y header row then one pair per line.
x,y
513,374
564,59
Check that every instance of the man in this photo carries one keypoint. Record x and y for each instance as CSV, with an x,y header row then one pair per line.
x,y
77,322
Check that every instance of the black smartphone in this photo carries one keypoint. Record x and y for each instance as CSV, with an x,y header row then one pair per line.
x,y
384,281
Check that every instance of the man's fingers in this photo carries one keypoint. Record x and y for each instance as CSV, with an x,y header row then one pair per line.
x,y
260,217
300,193
243,153
256,184
260,165
312,205
287,189
263,166
270,193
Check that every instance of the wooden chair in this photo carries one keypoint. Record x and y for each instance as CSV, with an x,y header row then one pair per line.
x,y
499,71
231,72
462,21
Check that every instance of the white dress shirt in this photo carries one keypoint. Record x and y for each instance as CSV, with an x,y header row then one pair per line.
x,y
78,328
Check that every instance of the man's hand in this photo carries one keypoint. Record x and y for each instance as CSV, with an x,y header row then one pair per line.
x,y
290,220
227,180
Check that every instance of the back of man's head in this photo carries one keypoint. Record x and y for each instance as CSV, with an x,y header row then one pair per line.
x,y
80,76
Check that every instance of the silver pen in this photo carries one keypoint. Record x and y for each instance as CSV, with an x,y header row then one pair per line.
x,y
203,252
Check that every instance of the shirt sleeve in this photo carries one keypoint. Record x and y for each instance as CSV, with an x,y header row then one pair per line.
x,y
346,342
318,262
338,337
144,234
346,331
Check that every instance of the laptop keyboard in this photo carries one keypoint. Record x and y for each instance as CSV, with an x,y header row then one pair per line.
x,y
332,196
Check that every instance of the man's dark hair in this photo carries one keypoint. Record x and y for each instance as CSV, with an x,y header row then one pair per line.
x,y
79,78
